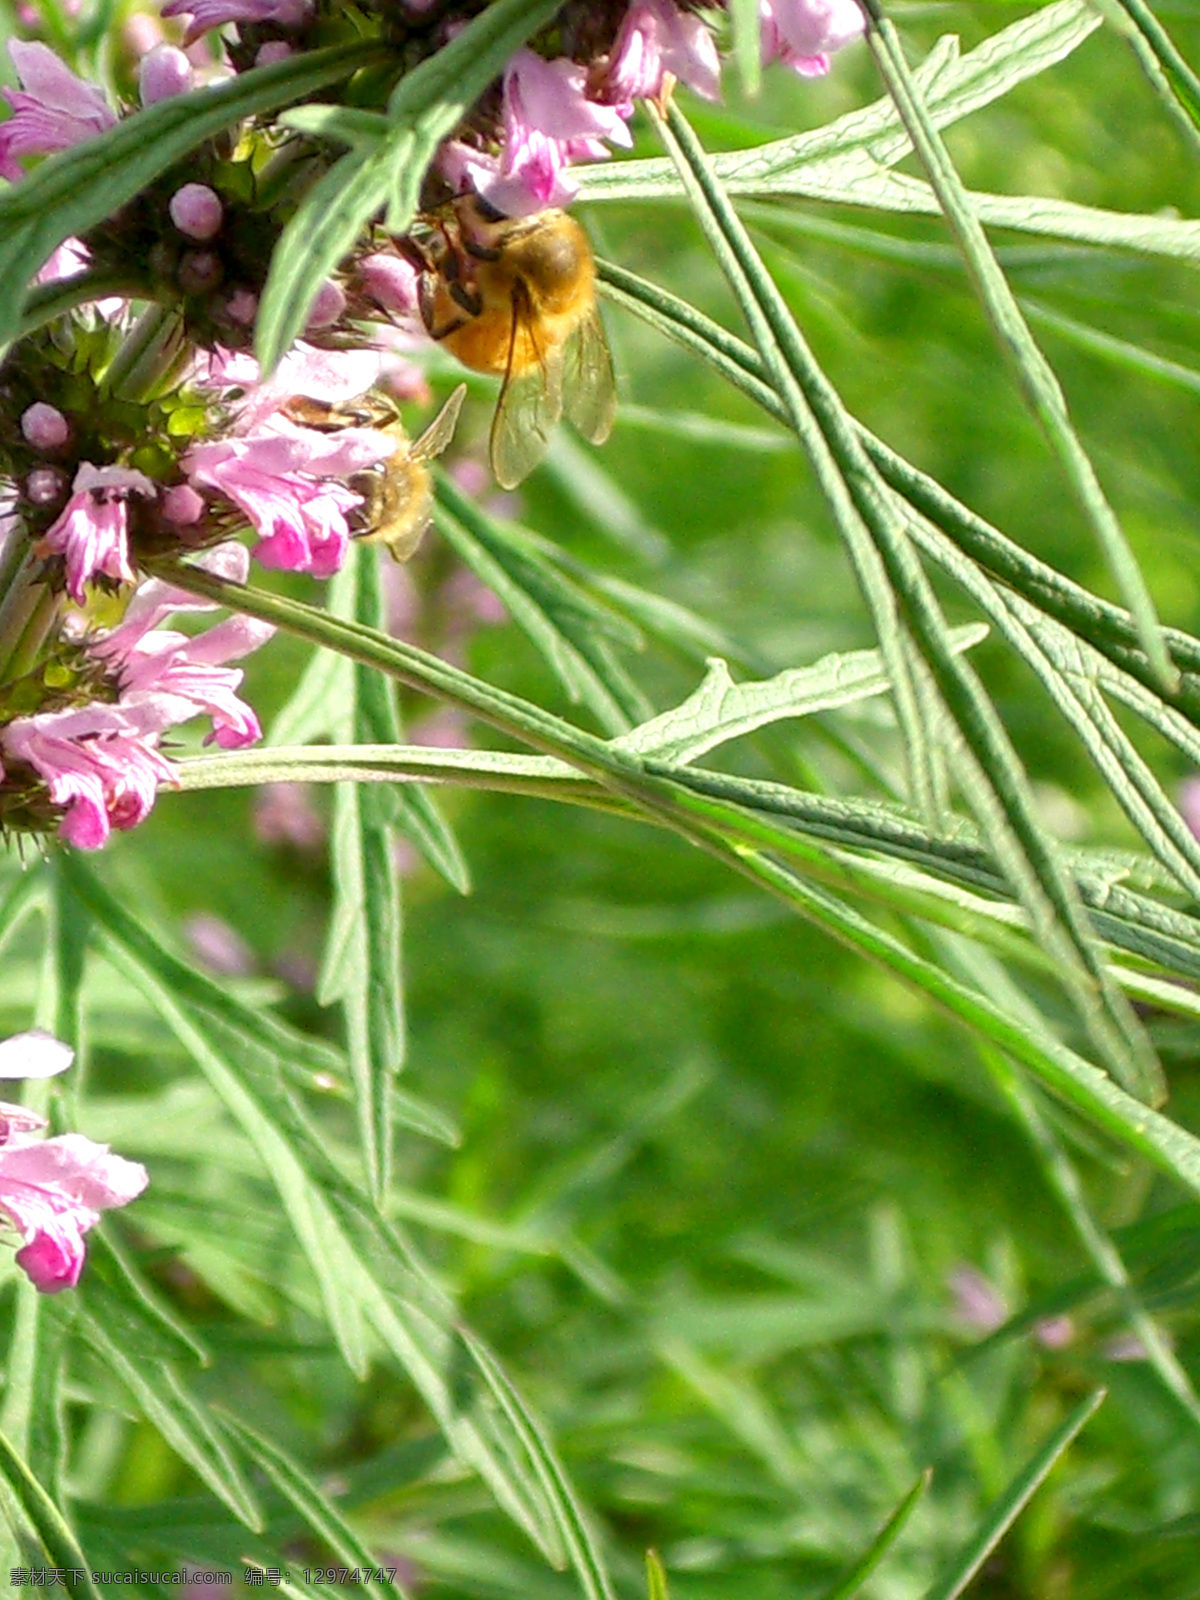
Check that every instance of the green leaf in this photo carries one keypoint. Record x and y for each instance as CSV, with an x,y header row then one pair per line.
x,y
320,1516
747,50
362,968
853,1581
1034,374
1001,1516
318,704
720,710
656,1577
321,233
162,1397
552,611
366,1277
74,190
837,157
50,1524
875,530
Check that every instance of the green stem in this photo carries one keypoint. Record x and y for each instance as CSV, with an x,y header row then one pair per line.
x,y
26,611
148,356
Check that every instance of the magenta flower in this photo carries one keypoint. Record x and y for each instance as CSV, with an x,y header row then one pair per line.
x,y
167,677
98,763
53,1190
804,33
53,109
206,14
282,478
656,37
92,531
548,123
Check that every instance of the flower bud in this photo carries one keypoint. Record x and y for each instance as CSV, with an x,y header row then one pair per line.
x,y
44,426
274,50
165,72
328,306
200,272
46,486
242,308
391,282
196,210
182,505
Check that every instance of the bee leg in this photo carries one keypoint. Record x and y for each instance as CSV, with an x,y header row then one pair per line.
x,y
469,299
480,252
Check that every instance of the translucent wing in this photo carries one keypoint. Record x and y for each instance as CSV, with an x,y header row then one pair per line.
x,y
438,434
589,387
528,409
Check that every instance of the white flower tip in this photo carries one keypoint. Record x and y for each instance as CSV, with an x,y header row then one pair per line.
x,y
34,1055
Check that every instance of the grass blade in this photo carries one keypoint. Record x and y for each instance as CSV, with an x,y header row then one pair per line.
x,y
1016,1497
862,1569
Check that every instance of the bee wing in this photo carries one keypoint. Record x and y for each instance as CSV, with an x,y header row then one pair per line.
x,y
527,411
589,385
402,546
438,434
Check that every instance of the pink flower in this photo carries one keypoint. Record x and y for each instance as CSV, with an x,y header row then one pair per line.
x,y
281,478
53,109
1189,803
206,14
548,123
92,531
167,677
804,33
977,1301
52,1191
656,37
98,764
392,282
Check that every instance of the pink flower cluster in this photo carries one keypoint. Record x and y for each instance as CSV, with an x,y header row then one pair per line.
x,y
52,1191
101,762
282,475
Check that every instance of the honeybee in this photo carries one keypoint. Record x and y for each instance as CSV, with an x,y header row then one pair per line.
x,y
516,296
397,494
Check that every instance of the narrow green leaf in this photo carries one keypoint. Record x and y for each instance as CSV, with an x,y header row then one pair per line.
x,y
1034,374
569,1517
656,1577
849,1585
366,978
320,234
77,188
1174,81
720,710
318,704
133,950
1001,1516
183,1421
303,1057
987,766
51,1525
840,157
558,619
321,1517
